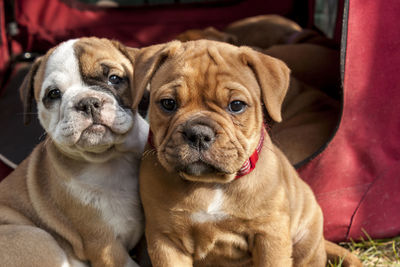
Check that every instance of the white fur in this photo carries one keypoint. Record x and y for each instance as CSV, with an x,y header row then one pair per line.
x,y
111,188
62,71
301,230
73,263
108,184
131,263
137,138
63,122
214,210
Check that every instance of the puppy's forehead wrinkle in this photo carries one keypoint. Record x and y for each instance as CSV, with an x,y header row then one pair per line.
x,y
200,65
215,55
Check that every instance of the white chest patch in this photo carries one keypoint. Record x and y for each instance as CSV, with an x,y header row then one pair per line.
x,y
214,210
112,188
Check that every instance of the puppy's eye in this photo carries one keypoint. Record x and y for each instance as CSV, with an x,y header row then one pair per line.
x,y
168,104
54,94
114,80
237,106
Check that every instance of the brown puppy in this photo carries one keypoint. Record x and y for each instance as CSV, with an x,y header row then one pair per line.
x,y
263,31
309,118
309,114
207,200
74,200
314,65
209,33
260,31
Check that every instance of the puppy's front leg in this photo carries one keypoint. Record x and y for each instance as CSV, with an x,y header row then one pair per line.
x,y
112,254
271,250
164,253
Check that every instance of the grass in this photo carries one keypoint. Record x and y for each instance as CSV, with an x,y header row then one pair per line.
x,y
374,252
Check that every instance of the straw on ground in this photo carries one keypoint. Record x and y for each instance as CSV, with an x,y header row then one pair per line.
x,y
374,252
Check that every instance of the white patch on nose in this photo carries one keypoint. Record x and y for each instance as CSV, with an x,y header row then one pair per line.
x,y
213,212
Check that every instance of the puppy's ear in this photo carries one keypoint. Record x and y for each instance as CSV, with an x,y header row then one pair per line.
x,y
147,62
26,90
129,52
273,78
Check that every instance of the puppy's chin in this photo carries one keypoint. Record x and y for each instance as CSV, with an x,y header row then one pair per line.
x,y
197,168
101,157
221,178
212,165
96,144
96,139
202,172
77,153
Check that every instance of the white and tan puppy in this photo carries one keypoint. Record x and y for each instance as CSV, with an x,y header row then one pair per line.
x,y
74,201
215,190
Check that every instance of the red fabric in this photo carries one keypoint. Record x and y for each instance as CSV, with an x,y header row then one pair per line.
x,y
4,170
337,35
311,10
4,55
45,23
356,179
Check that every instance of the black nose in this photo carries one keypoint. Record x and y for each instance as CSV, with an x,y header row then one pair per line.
x,y
199,136
89,105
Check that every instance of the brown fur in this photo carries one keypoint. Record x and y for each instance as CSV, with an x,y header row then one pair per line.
x,y
311,110
209,33
42,223
260,31
267,218
309,120
61,223
314,65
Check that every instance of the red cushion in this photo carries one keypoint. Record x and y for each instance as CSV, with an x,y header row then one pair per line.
x,y
45,23
356,179
4,170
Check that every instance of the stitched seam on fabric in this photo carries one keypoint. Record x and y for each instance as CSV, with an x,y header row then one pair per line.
x,y
361,201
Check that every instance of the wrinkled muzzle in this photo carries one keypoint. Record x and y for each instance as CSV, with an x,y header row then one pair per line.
x,y
89,121
201,148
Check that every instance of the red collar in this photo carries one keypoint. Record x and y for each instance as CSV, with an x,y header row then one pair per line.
x,y
248,165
